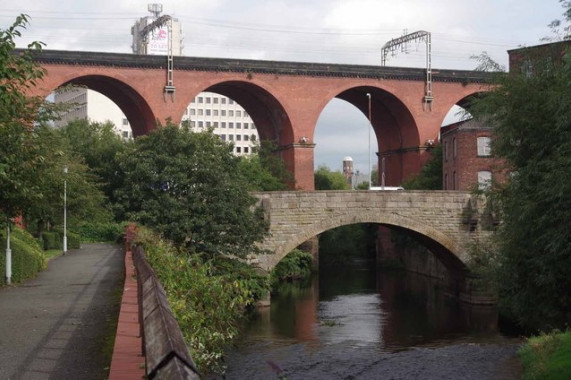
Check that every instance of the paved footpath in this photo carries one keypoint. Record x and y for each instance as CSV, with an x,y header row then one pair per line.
x,y
54,326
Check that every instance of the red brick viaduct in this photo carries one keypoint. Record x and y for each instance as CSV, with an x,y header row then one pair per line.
x,y
284,99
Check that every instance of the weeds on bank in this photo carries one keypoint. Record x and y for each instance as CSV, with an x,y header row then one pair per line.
x,y
207,297
547,357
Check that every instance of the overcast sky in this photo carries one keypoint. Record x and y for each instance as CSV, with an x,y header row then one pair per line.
x,y
331,31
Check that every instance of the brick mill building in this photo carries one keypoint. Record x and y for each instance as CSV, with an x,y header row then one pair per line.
x,y
467,161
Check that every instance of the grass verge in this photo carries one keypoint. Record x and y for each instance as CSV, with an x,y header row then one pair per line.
x,y
547,356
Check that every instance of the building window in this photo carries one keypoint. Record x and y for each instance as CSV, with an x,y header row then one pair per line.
x,y
208,124
200,124
208,100
454,148
230,113
223,100
484,179
454,180
246,150
246,125
238,137
223,113
215,100
445,152
200,112
223,124
484,146
238,149
125,122
125,134
215,112
215,124
192,124
230,125
239,125
246,137
200,99
223,137
231,137
230,101
239,113
207,112
192,112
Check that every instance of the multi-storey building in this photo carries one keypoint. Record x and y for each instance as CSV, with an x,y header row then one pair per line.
x,y
467,157
226,118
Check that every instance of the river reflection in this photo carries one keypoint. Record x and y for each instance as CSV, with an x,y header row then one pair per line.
x,y
359,309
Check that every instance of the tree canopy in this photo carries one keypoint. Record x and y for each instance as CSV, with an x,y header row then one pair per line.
x,y
531,119
188,187
325,179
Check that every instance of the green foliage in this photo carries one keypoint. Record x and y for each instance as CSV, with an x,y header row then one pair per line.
x,y
207,300
294,266
547,357
363,186
265,171
325,179
52,240
73,240
345,244
188,187
20,162
99,232
530,116
430,176
99,147
27,256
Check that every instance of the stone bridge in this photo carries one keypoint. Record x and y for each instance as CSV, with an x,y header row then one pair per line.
x,y
445,221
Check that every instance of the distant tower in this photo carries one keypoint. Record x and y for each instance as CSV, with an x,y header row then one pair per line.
x,y
348,169
157,41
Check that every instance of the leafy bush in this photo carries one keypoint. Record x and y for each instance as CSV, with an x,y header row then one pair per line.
x,y
27,256
52,240
207,300
73,240
295,265
100,232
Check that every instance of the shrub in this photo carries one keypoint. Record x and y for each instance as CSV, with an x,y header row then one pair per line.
x,y
207,300
100,232
295,265
547,356
52,240
73,240
27,256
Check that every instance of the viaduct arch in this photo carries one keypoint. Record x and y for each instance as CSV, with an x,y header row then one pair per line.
x,y
284,99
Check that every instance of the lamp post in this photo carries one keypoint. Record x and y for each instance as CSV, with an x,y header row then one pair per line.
x,y
370,127
64,209
8,254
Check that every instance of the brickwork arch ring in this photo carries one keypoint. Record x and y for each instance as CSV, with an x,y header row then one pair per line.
x,y
389,219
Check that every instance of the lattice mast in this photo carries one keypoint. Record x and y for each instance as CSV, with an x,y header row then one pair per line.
x,y
393,47
159,21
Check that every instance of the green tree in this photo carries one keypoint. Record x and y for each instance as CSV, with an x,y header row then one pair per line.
x,y
99,147
430,176
20,161
188,187
264,170
325,179
533,134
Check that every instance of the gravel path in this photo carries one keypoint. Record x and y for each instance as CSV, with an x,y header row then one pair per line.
x,y
54,326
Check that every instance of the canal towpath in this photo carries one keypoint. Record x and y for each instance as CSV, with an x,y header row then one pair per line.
x,y
58,324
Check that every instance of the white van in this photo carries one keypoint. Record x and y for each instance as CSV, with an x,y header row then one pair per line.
x,y
386,188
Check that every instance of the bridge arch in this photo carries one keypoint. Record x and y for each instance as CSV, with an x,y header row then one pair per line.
x,y
446,248
134,106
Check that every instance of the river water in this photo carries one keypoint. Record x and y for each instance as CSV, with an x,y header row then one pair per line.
x,y
361,323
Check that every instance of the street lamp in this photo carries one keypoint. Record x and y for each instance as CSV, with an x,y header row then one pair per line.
x,y
8,254
64,209
370,127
